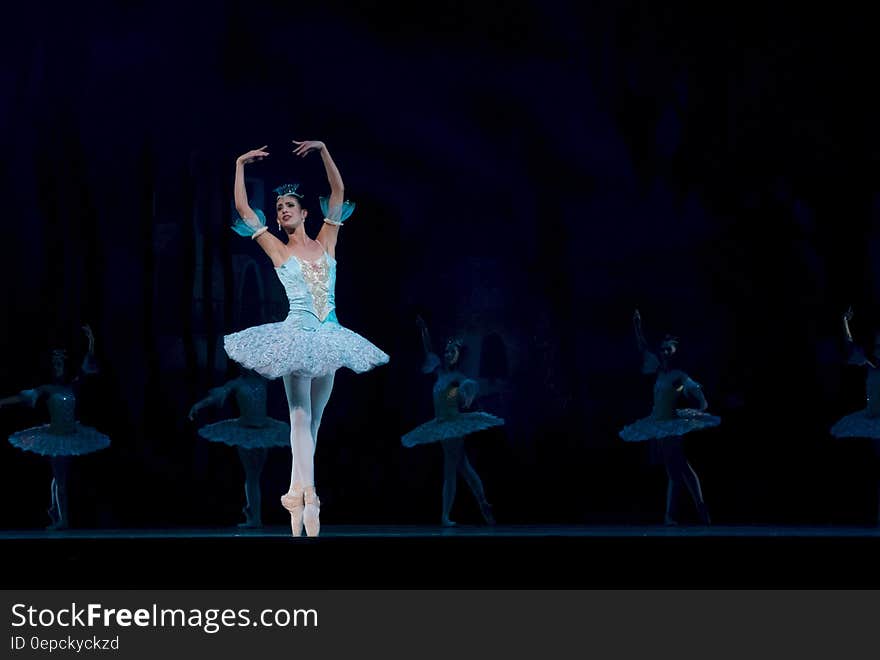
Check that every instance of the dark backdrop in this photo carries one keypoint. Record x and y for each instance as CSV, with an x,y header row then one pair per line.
x,y
527,172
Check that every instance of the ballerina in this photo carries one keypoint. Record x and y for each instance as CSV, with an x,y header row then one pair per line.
x,y
252,434
309,346
450,426
63,437
666,425
864,423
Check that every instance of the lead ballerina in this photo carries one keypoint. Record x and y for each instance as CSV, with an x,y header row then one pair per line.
x,y
309,346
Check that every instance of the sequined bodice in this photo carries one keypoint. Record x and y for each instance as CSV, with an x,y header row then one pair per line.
x,y
667,390
872,392
446,395
250,395
310,287
62,409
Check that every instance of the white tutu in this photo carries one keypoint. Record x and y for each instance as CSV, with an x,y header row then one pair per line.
x,y
446,429
235,434
39,439
687,421
277,349
857,425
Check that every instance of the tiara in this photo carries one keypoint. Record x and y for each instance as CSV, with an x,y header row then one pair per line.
x,y
59,353
287,189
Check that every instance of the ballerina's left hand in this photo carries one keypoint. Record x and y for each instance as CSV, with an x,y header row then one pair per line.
x,y
305,147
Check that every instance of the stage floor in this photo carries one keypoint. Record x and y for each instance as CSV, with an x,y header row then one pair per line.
x,y
506,556
401,557
459,531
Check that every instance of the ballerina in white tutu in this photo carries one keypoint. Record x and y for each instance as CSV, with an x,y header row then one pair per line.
x,y
450,426
63,437
253,433
307,347
666,425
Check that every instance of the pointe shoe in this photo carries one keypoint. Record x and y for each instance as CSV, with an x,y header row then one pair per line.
x,y
250,521
486,510
446,522
703,513
311,518
292,500
58,523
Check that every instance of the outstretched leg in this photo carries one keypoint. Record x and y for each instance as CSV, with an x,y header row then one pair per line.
x,y
453,452
252,460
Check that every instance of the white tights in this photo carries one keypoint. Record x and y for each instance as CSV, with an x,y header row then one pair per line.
x,y
306,399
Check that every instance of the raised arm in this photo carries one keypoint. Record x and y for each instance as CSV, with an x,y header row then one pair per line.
x,y
250,223
856,355
89,364
336,209
650,362
432,361
426,337
847,317
637,327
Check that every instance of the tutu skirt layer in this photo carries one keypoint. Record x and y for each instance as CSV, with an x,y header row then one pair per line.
x,y
456,427
857,425
40,440
234,434
277,349
687,421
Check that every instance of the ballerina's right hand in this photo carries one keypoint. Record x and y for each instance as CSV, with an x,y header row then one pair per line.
x,y
192,414
848,314
253,155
